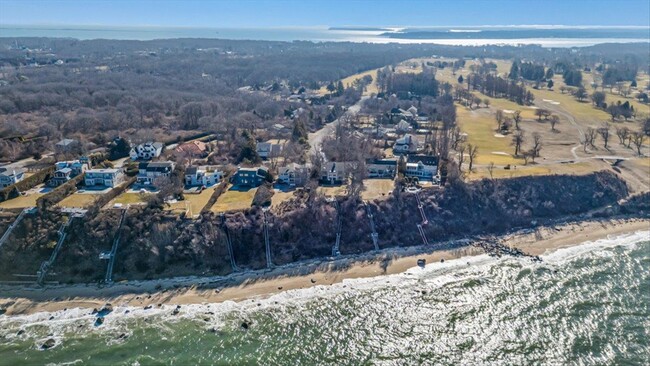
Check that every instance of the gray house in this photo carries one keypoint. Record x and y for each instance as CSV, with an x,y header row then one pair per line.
x,y
250,177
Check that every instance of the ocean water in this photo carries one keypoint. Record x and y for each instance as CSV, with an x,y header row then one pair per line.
x,y
585,305
514,35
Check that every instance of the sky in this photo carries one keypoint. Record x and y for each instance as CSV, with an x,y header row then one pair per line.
x,y
300,13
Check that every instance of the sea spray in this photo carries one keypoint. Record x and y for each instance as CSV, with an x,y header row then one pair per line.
x,y
583,304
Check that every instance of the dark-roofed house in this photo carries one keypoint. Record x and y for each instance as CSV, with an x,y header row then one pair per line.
x,y
381,168
423,167
250,177
149,172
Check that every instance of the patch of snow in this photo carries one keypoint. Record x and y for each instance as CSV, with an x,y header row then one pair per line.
x,y
498,135
500,153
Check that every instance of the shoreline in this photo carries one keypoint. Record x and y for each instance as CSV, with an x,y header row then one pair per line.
x,y
22,300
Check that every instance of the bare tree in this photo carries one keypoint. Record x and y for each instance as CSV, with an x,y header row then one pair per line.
x,y
461,156
518,139
622,134
499,118
589,138
517,118
604,133
554,120
537,145
637,140
490,169
472,151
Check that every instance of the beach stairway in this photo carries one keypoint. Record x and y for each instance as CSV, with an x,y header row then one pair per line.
x,y
424,237
108,278
231,253
336,249
14,224
421,208
373,232
45,266
267,243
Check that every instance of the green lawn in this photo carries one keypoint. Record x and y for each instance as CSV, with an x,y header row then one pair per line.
x,y
22,201
232,200
78,200
193,202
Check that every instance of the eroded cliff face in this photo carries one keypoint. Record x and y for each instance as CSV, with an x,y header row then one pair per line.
x,y
157,244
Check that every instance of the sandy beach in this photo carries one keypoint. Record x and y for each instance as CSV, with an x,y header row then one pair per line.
x,y
259,284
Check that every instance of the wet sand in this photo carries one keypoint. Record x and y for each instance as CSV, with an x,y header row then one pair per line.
x,y
259,284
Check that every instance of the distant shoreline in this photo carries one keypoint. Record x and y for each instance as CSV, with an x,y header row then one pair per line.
x,y
20,300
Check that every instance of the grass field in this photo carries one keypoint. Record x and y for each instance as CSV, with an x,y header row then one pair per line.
x,y
78,200
377,188
335,191
129,198
370,89
193,202
480,130
533,170
22,201
232,200
279,197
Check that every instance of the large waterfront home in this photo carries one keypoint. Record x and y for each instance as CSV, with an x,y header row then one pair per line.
x,y
250,177
202,176
294,174
149,172
423,167
381,168
103,177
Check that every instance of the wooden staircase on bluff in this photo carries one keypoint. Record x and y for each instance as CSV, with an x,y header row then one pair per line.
x,y
14,224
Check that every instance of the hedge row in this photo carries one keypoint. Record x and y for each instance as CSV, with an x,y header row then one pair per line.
x,y
30,182
221,187
104,199
59,193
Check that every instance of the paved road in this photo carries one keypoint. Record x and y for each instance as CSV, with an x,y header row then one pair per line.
x,y
316,138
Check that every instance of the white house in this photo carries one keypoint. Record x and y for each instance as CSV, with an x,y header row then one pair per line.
x,y
146,151
269,149
103,177
423,167
294,174
381,168
407,144
202,176
334,172
11,175
149,172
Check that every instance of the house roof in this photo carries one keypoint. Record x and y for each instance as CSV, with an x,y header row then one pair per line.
x,y
192,147
65,170
160,166
11,171
66,142
191,170
382,161
107,170
424,159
